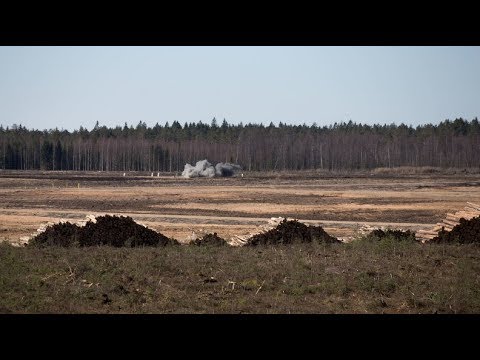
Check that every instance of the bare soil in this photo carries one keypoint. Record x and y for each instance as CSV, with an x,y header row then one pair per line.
x,y
232,206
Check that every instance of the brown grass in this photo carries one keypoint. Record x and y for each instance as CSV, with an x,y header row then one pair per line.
x,y
360,277
415,170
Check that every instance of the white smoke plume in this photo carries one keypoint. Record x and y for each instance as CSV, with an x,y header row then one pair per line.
x,y
204,169
201,168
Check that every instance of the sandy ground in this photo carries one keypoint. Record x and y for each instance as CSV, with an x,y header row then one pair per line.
x,y
231,206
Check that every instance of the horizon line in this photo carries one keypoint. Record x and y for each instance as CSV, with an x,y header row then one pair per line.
x,y
241,123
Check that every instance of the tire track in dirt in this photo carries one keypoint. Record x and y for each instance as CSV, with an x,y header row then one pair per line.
x,y
151,216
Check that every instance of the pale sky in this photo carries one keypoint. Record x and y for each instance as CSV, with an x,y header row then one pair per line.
x,y
69,87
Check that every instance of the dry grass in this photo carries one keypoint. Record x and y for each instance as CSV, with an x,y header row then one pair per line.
x,y
418,170
360,277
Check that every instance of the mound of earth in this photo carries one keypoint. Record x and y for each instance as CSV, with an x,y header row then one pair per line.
x,y
398,235
468,231
290,232
211,240
117,231
63,234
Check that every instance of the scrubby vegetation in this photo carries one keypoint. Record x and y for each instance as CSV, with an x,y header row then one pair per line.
x,y
397,235
384,276
210,240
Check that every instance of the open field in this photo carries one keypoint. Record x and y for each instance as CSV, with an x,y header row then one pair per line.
x,y
359,277
233,206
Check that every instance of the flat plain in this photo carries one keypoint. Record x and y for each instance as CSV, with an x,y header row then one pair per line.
x,y
176,207
360,276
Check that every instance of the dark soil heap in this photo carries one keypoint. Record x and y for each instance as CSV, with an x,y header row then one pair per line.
x,y
63,234
210,240
399,235
290,232
467,232
117,231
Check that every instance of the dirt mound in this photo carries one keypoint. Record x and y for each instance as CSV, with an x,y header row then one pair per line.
x,y
468,231
120,231
117,231
399,235
62,234
211,240
290,232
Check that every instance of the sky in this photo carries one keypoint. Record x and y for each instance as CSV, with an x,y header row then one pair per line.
x,y
68,87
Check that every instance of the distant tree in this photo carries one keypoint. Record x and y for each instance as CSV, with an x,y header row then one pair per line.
x,y
224,125
214,124
46,159
254,146
57,157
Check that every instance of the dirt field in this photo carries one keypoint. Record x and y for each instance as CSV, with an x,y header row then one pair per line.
x,y
232,206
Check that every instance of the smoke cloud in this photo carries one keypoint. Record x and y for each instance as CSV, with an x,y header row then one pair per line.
x,y
226,169
204,169
201,168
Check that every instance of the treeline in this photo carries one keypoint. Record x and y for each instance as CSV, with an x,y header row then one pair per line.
x,y
255,147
